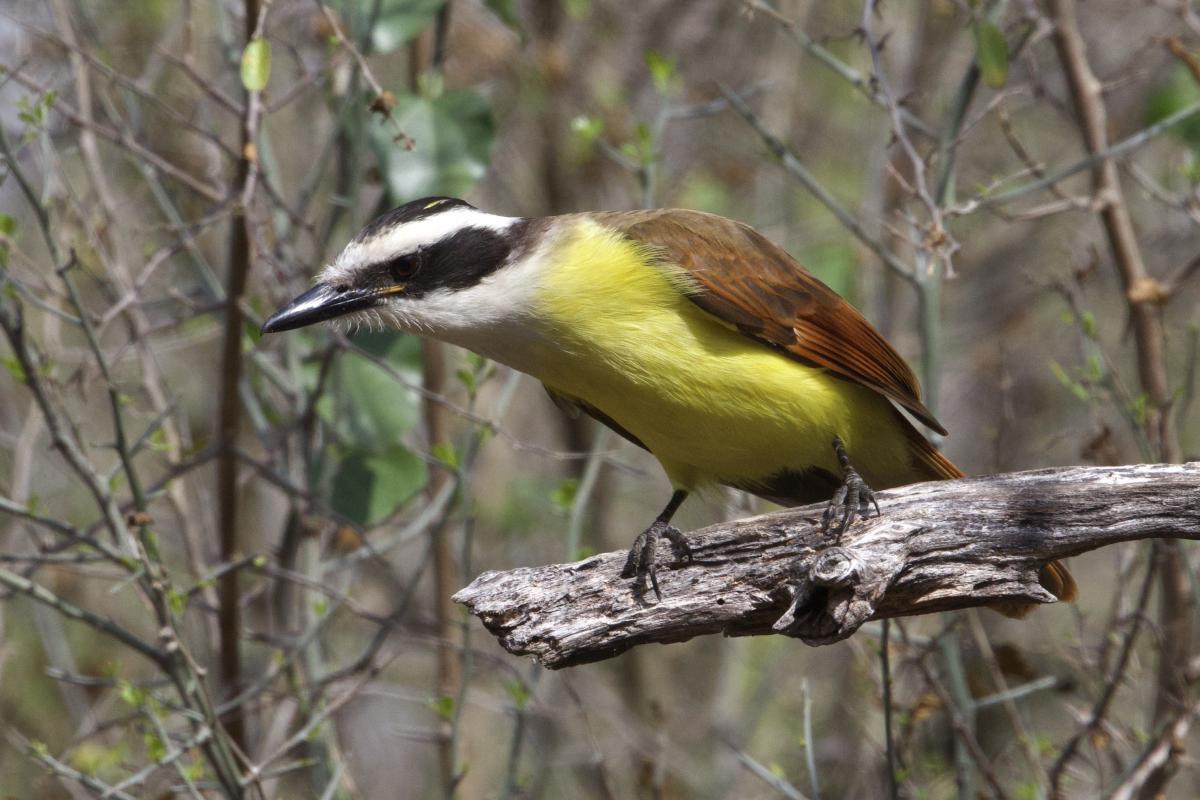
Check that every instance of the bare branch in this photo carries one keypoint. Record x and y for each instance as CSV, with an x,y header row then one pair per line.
x,y
12,580
794,167
938,546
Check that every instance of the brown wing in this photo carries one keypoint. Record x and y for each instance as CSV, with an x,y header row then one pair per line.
x,y
753,284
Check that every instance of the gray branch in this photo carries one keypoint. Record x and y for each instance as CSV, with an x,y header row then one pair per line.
x,y
938,546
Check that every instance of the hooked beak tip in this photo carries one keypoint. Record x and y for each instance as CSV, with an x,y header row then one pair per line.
x,y
321,302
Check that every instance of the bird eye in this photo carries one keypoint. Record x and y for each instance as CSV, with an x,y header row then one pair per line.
x,y
404,267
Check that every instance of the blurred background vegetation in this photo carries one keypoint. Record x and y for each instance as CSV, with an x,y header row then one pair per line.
x,y
225,562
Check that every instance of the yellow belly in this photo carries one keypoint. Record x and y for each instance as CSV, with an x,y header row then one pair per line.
x,y
713,405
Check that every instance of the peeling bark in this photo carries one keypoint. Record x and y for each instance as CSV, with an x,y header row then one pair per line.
x,y
937,546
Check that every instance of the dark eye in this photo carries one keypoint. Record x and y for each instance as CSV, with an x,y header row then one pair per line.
x,y
404,267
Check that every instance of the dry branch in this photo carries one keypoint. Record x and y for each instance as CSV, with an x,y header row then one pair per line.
x,y
937,546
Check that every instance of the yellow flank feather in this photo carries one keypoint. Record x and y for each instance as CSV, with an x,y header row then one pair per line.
x,y
713,405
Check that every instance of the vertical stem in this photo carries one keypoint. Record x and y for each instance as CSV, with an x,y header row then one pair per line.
x,y
1145,321
929,327
449,676
588,481
810,755
229,592
964,767
889,744
1140,291
448,682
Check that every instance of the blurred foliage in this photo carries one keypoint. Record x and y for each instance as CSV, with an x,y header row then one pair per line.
x,y
991,53
453,131
538,108
1178,91
399,21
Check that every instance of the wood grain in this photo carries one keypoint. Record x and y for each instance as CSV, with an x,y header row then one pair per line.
x,y
938,546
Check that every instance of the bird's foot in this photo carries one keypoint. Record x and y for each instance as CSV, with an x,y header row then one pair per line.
x,y
853,499
640,562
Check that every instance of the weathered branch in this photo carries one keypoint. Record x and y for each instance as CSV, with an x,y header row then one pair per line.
x,y
937,546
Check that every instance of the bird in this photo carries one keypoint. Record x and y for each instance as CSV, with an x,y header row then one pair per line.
x,y
691,335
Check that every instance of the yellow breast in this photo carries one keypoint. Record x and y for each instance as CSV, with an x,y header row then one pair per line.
x,y
713,405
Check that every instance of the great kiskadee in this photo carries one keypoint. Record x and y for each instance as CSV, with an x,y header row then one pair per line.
x,y
691,335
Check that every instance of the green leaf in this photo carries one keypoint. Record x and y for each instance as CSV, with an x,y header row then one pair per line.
x,y
369,409
155,748
447,454
468,380
518,692
1176,93
132,695
14,368
158,441
177,601
33,114
564,494
252,333
400,21
443,706
1138,407
367,488
94,758
662,71
991,53
1087,321
588,129
8,226
453,132
1076,388
256,64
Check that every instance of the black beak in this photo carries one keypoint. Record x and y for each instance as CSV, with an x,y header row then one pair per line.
x,y
318,304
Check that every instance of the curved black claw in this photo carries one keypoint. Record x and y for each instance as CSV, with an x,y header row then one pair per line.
x,y
853,498
640,562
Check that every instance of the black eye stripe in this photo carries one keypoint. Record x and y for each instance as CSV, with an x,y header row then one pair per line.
x,y
404,267
458,261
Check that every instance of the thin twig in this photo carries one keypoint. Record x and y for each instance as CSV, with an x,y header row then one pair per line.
x,y
106,626
794,167
858,80
1111,685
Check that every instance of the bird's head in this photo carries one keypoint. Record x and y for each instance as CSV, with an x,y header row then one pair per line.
x,y
422,267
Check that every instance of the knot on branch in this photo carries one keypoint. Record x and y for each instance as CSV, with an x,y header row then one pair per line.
x,y
835,567
836,590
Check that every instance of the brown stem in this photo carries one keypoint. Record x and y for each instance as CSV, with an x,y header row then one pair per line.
x,y
240,257
445,574
430,49
1087,96
1143,296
